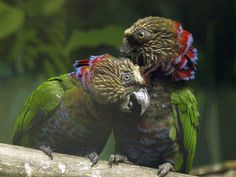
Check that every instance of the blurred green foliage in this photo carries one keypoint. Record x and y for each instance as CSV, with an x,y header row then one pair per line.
x,y
42,38
43,7
93,38
41,41
38,41
11,19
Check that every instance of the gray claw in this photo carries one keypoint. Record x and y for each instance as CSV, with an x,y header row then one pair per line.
x,y
47,150
118,158
93,157
113,160
165,168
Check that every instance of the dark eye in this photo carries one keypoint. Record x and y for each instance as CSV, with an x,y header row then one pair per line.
x,y
126,78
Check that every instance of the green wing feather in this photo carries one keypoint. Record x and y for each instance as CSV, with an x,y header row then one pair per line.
x,y
42,102
186,115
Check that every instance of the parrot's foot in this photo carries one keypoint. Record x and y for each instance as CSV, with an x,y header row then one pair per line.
x,y
47,150
118,158
93,157
165,168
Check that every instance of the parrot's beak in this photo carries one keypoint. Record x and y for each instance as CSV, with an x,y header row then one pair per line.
x,y
143,99
136,102
126,49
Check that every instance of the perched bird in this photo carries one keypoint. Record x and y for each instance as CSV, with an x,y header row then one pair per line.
x,y
156,42
166,134
73,113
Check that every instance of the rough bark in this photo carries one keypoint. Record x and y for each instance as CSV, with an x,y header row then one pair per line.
x,y
223,169
21,161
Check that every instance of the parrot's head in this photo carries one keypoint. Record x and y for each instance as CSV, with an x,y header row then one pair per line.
x,y
115,81
154,42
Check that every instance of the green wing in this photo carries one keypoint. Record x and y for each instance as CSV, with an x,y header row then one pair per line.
x,y
187,117
42,102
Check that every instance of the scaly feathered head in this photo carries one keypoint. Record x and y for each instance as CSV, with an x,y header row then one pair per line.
x,y
111,80
154,42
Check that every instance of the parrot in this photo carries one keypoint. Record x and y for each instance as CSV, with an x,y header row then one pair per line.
x,y
165,136
73,113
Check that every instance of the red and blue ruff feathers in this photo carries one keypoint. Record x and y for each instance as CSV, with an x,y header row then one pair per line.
x,y
186,62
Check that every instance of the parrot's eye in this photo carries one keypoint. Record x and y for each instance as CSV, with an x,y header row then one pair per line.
x,y
127,78
141,35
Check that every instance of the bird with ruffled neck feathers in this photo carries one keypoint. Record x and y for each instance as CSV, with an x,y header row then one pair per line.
x,y
73,113
165,136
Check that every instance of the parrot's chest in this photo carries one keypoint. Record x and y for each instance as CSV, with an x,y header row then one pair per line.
x,y
149,143
160,105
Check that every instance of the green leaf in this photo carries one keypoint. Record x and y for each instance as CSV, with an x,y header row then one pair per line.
x,y
110,35
52,6
43,7
11,19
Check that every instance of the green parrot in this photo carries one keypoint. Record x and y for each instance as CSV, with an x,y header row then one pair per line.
x,y
73,113
165,136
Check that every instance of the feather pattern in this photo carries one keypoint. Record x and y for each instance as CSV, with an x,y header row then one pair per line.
x,y
166,44
167,132
99,74
74,114
165,50
54,116
85,67
185,62
188,117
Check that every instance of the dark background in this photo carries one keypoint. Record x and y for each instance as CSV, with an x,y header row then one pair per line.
x,y
42,38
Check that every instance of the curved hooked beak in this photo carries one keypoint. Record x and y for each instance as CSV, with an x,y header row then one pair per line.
x,y
136,102
143,99
129,50
126,48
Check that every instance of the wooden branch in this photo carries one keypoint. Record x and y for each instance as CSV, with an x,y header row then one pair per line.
x,y
21,161
217,168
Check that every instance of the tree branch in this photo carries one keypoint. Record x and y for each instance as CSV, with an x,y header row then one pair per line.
x,y
21,161
227,168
